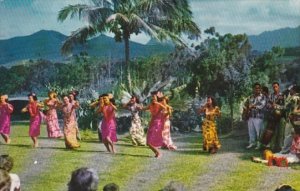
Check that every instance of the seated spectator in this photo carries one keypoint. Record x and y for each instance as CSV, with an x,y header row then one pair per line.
x,y
174,186
5,180
7,163
294,155
111,187
83,179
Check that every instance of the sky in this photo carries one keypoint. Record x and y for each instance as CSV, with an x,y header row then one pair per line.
x,y
24,17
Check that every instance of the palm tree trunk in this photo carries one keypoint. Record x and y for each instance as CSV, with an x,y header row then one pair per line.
x,y
126,41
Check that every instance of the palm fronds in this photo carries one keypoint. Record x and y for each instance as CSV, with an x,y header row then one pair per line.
x,y
71,10
78,36
161,19
117,16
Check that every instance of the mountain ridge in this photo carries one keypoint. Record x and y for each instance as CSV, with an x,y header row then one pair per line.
x,y
46,44
284,37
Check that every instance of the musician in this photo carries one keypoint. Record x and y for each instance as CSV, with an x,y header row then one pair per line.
x,y
290,105
256,104
275,107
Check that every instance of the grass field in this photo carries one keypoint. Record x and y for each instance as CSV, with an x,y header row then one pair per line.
x,y
135,168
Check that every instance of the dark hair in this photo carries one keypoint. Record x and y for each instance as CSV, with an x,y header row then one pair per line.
x,y
113,101
111,187
284,187
65,96
293,87
101,96
6,100
137,100
83,179
160,99
74,93
5,180
275,83
153,92
213,101
33,96
6,162
265,89
256,84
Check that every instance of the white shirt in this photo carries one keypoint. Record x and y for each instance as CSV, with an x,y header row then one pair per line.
x,y
15,182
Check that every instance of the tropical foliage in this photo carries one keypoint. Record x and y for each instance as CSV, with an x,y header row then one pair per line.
x,y
222,65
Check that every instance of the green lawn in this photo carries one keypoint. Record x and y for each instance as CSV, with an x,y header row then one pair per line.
x,y
21,145
188,165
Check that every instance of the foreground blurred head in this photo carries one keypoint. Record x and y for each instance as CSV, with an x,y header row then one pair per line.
x,y
111,187
5,181
6,163
83,179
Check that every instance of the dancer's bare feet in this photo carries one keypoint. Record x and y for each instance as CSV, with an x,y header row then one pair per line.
x,y
158,155
213,150
172,148
8,141
35,145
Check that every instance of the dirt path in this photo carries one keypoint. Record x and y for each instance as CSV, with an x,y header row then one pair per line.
x,y
220,165
153,169
38,160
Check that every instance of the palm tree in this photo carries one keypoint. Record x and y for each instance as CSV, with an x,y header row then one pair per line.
x,y
160,19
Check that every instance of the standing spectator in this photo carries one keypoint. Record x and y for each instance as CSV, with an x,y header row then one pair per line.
x,y
256,105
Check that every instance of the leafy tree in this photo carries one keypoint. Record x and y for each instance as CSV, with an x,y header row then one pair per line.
x,y
4,78
158,18
266,68
76,74
18,78
221,67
